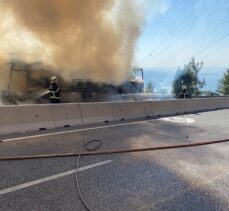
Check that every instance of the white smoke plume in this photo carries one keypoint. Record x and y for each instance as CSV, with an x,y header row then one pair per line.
x,y
93,39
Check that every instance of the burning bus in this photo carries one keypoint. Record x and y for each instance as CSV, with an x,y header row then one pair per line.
x,y
30,82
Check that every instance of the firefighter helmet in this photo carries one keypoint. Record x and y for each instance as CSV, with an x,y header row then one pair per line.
x,y
53,78
184,87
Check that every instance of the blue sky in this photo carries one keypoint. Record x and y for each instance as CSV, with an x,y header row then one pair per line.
x,y
176,30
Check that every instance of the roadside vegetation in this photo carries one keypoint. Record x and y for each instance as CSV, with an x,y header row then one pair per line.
x,y
189,77
223,85
149,88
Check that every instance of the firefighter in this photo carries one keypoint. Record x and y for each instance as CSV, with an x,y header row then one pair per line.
x,y
183,93
54,90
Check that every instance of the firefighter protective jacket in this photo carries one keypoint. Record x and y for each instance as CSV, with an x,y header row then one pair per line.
x,y
54,91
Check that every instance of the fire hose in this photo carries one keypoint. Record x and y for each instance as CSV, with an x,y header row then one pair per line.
x,y
118,151
90,151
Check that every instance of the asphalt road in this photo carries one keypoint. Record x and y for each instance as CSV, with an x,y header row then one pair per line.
x,y
179,179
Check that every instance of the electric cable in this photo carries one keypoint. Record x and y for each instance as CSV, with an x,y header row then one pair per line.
x,y
202,36
212,43
149,31
190,44
213,52
157,51
85,146
176,29
90,149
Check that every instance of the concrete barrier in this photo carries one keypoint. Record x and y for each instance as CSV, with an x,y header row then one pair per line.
x,y
25,118
66,115
14,119
131,110
226,102
191,105
168,107
96,112
211,103
223,102
204,104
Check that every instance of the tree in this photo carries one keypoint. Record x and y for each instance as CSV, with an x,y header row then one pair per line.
x,y
189,77
209,93
163,91
223,85
149,88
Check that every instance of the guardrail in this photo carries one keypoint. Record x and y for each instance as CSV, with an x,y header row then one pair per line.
x,y
24,118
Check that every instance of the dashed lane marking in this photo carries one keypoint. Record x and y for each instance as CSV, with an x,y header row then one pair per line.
x,y
53,177
71,131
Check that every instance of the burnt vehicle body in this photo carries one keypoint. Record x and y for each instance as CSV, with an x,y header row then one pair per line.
x,y
30,82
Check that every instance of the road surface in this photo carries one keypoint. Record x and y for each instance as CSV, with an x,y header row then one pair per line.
x,y
177,179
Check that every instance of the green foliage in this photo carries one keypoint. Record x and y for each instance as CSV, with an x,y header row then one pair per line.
x,y
163,91
149,88
189,76
223,85
209,93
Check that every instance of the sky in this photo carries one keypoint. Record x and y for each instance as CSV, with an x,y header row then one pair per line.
x,y
177,30
174,31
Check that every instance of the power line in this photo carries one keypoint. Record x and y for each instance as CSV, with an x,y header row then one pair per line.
x,y
184,48
177,27
213,52
213,43
203,35
149,31
189,44
143,60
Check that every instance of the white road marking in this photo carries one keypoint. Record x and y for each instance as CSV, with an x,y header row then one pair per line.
x,y
72,131
85,129
178,119
53,177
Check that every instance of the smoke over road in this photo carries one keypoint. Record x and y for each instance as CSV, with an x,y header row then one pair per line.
x,y
4,74
92,39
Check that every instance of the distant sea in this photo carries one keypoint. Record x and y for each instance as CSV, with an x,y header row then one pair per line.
x,y
163,77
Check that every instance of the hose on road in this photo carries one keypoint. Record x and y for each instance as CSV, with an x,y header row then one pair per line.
x,y
119,151
91,151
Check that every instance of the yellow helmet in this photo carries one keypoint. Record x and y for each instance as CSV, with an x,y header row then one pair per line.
x,y
53,78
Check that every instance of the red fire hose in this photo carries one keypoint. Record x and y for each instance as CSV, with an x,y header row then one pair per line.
x,y
114,151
